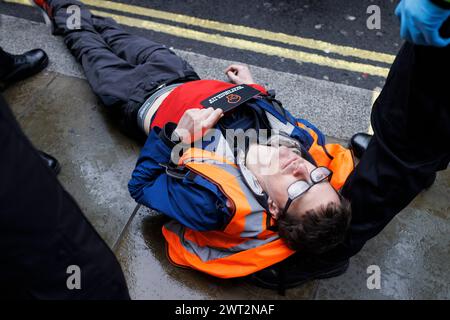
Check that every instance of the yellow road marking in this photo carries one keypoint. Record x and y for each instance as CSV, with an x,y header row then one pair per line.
x,y
247,45
245,31
239,43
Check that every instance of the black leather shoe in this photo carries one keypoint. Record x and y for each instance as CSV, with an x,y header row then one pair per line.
x,y
290,274
430,181
25,65
51,162
359,143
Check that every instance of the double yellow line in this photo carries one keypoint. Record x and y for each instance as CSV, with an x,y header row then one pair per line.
x,y
237,43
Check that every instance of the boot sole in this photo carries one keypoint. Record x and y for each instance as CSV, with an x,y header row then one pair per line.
x,y
325,275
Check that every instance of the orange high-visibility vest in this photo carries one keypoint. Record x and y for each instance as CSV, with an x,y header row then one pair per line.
x,y
244,245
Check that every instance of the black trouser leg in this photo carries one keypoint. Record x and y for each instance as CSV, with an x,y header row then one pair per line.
x,y
121,68
154,62
43,231
135,49
111,78
411,122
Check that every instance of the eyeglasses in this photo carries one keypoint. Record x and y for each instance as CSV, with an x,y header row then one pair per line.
x,y
300,187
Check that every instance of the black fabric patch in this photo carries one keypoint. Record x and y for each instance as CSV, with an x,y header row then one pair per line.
x,y
442,3
230,98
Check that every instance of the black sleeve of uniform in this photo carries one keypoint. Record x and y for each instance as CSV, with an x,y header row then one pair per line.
x,y
401,160
442,3
43,231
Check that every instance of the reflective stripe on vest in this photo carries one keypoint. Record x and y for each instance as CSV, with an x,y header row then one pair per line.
x,y
206,253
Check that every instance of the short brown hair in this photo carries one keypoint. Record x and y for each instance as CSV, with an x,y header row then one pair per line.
x,y
316,231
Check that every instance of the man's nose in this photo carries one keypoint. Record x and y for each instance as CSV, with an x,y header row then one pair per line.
x,y
301,172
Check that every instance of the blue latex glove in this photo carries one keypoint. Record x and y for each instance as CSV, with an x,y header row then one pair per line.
x,y
421,21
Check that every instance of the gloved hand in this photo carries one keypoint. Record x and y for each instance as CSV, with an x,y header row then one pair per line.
x,y
421,21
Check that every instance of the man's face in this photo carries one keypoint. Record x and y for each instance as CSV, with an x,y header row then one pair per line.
x,y
276,168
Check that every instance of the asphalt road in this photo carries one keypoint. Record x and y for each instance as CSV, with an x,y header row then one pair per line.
x,y
338,23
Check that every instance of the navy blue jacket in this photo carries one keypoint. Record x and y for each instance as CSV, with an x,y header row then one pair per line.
x,y
200,209
196,204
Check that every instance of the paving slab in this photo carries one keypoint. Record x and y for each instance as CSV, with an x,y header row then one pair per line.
x,y
150,275
61,116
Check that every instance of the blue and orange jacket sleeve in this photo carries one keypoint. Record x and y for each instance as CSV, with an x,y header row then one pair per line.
x,y
198,207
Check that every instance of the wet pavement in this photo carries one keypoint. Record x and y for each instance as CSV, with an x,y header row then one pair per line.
x,y
60,115
412,254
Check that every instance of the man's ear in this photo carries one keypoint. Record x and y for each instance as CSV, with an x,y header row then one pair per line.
x,y
273,208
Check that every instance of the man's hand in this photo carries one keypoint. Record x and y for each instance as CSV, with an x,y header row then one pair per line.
x,y
421,21
196,122
239,74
